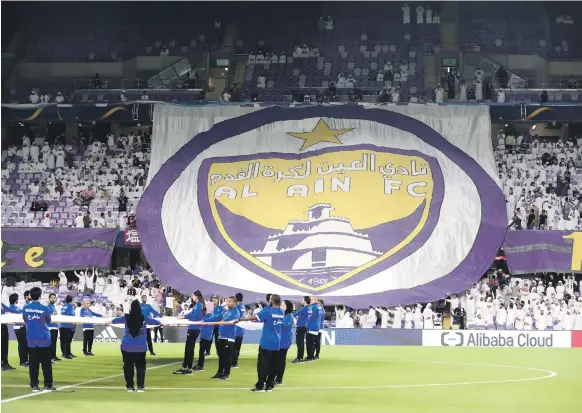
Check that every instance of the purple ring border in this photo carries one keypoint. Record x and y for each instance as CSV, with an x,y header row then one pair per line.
x,y
489,237
409,249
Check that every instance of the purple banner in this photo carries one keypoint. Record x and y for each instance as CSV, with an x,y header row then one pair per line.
x,y
548,251
131,237
47,249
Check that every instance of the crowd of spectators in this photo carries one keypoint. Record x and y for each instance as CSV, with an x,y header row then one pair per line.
x,y
90,184
540,181
110,292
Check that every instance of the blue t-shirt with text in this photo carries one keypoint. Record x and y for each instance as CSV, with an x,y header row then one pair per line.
x,y
37,318
272,319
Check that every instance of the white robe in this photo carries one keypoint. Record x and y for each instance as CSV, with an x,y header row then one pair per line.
x,y
427,316
406,15
50,163
397,322
478,90
417,319
408,320
100,287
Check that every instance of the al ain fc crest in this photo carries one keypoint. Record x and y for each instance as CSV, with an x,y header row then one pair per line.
x,y
320,220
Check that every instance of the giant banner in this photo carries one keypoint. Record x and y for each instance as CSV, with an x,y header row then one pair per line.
x,y
549,251
357,204
48,249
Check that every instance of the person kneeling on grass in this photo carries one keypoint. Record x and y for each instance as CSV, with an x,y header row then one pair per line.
x,y
134,345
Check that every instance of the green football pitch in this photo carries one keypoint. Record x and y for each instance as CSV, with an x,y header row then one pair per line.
x,y
347,378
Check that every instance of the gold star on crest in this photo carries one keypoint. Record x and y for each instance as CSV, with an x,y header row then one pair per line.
x,y
321,133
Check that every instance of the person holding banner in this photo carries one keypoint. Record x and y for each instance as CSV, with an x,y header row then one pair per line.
x,y
226,338
148,311
206,333
272,318
88,329
286,339
239,332
321,322
134,345
217,310
197,312
312,329
5,341
19,330
302,316
66,330
53,327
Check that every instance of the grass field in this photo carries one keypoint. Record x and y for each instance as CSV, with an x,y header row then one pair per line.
x,y
348,378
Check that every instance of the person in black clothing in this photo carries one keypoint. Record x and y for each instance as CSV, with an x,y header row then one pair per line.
x,y
451,85
459,316
544,97
97,81
20,331
122,202
516,221
531,219
543,220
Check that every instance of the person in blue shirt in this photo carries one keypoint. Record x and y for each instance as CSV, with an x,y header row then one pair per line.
x,y
134,344
218,309
66,330
321,321
197,312
312,329
37,317
269,344
5,365
53,327
148,311
226,338
238,331
19,330
302,316
286,339
206,332
88,329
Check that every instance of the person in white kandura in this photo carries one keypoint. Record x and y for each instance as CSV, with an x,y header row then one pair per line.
x,y
384,316
397,313
63,288
527,323
511,313
501,317
417,317
408,319
427,317
406,14
419,14
369,319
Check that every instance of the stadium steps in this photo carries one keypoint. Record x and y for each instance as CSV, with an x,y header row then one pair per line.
x,y
229,37
241,67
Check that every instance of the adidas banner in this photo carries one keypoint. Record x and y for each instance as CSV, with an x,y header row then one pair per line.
x,y
358,204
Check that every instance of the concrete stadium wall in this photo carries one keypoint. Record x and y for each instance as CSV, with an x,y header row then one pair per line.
x,y
35,70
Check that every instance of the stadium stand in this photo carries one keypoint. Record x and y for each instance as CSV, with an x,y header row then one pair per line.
x,y
341,51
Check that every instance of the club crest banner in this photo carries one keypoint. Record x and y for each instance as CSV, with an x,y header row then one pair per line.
x,y
356,204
